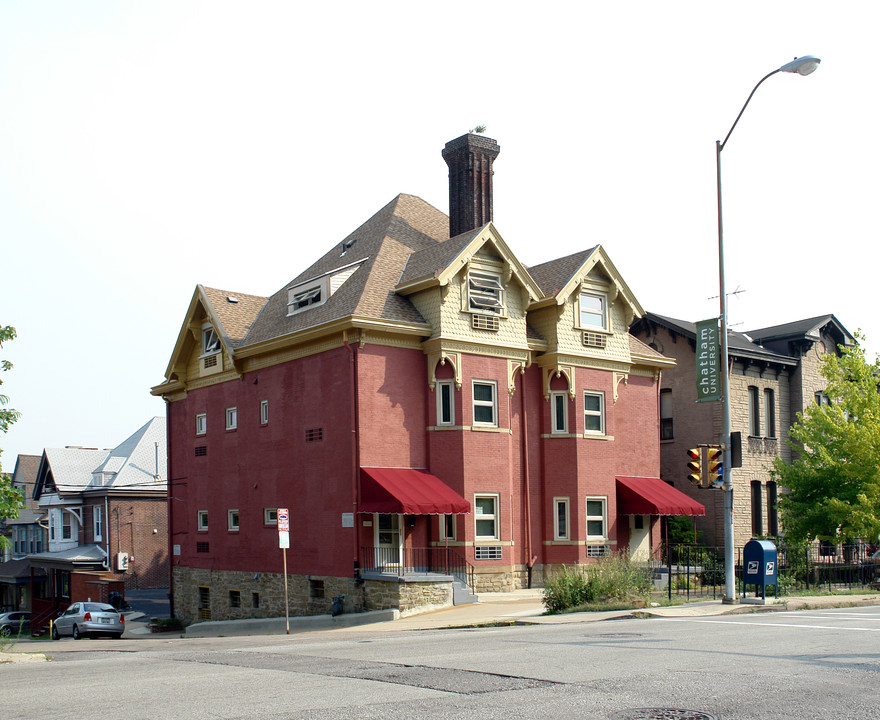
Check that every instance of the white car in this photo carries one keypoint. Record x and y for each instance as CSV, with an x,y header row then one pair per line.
x,y
89,619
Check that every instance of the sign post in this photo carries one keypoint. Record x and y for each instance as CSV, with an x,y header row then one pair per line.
x,y
284,543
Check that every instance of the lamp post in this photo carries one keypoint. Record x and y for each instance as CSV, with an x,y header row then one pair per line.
x,y
802,66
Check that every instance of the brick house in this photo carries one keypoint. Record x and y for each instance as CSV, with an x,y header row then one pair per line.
x,y
106,517
774,375
430,411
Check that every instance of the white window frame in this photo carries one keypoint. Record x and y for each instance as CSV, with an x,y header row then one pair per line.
x,y
493,403
210,340
600,413
202,520
307,295
231,418
270,516
485,293
233,519
97,523
448,387
264,412
201,423
601,313
479,516
66,525
557,398
448,525
53,524
565,534
603,517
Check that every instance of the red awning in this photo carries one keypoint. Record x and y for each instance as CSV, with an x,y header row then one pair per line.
x,y
652,496
409,492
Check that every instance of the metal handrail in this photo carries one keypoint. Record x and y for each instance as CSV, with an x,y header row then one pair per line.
x,y
418,561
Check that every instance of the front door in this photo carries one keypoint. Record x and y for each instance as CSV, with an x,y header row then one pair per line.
x,y
640,537
389,543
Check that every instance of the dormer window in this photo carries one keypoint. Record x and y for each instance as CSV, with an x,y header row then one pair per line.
x,y
303,297
210,341
485,293
593,311
312,296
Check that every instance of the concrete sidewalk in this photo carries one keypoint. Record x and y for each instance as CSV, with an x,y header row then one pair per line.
x,y
523,607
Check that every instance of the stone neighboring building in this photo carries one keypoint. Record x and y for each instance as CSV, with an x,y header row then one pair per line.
x,y
774,374
436,418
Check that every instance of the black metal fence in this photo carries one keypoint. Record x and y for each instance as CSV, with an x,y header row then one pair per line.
x,y
417,561
697,571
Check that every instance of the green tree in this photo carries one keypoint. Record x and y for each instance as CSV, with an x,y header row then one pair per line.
x,y
11,500
833,483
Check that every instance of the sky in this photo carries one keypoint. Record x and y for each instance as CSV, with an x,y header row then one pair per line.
x,y
146,148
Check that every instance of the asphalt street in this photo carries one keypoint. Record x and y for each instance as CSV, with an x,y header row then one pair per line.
x,y
803,664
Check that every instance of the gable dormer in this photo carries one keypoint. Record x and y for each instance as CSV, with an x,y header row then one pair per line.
x,y
215,323
472,289
587,307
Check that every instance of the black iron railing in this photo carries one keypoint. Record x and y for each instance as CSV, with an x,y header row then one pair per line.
x,y
694,570
417,561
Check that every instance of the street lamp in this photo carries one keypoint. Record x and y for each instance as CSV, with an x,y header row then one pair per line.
x,y
802,66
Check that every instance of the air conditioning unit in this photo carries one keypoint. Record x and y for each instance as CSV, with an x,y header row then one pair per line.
x,y
484,322
122,561
594,340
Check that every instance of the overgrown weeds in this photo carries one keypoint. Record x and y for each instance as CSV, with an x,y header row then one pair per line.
x,y
612,582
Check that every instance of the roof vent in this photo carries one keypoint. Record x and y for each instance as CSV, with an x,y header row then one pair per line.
x,y
231,299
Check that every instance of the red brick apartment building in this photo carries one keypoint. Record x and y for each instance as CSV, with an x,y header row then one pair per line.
x,y
438,419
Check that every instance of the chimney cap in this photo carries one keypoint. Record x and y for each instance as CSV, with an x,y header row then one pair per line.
x,y
472,140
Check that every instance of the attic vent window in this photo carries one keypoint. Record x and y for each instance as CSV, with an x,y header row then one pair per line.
x,y
210,341
485,293
305,296
484,322
201,450
594,340
211,361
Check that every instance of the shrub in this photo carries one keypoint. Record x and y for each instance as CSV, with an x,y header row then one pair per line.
x,y
612,578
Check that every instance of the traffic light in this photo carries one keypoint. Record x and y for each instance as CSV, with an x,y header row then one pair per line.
x,y
714,467
695,466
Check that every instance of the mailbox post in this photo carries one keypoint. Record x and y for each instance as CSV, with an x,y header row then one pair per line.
x,y
760,566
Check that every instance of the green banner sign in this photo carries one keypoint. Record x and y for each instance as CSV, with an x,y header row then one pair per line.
x,y
708,361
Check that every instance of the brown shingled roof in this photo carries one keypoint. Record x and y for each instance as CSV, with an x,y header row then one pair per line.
x,y
383,243
553,275
236,317
433,259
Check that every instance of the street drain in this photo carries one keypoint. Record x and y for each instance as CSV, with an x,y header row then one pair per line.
x,y
661,714
618,635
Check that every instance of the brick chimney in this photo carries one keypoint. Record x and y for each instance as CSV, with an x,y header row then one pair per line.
x,y
470,159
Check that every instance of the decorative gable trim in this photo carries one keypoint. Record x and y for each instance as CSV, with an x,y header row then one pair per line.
x,y
488,235
616,290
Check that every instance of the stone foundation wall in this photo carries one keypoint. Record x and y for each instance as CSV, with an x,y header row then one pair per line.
x,y
263,596
515,577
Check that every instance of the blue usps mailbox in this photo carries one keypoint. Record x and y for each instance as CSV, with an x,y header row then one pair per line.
x,y
759,566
